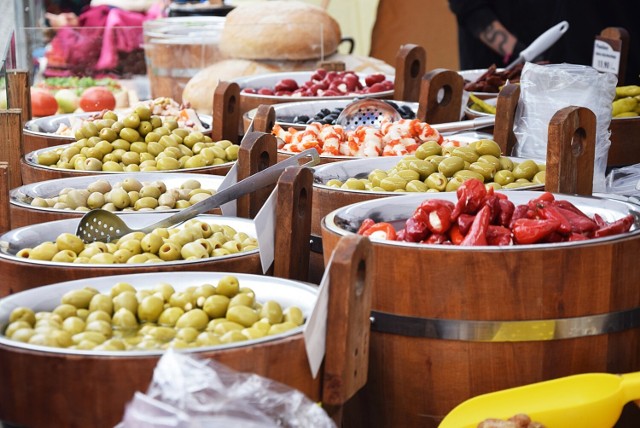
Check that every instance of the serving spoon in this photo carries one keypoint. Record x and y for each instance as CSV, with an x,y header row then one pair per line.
x,y
591,400
105,226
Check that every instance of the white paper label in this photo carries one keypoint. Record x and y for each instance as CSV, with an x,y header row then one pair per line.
x,y
230,209
265,222
605,58
315,329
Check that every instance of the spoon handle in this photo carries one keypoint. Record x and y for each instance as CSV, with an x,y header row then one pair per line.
x,y
630,386
250,184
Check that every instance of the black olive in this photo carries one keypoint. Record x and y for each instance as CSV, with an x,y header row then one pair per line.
x,y
325,111
301,119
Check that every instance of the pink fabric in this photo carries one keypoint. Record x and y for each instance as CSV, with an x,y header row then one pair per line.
x,y
104,31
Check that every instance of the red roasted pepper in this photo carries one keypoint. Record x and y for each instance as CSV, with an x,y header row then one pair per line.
x,y
506,209
550,212
498,235
381,230
416,228
521,211
366,224
530,231
477,235
470,194
580,223
619,226
436,238
436,213
455,235
465,221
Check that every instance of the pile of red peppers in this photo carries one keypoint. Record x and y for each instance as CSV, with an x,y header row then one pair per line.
x,y
483,217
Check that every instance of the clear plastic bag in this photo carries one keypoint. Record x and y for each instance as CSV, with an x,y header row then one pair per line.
x,y
545,89
187,392
624,181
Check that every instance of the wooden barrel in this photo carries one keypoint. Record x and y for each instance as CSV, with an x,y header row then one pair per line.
x,y
92,388
451,323
176,48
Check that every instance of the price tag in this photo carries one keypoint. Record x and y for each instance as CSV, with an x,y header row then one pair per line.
x,y
230,209
265,222
606,55
315,329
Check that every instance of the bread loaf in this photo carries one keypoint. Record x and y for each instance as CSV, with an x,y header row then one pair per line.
x,y
279,30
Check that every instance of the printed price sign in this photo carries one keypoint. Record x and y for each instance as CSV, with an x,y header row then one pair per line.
x,y
606,55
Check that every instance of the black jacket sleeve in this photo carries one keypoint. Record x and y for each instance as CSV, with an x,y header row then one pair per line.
x,y
473,15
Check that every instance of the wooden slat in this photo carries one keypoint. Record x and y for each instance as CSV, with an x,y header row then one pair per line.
x,y
411,62
505,117
5,213
293,214
430,109
621,34
19,93
347,346
11,141
257,152
226,112
571,151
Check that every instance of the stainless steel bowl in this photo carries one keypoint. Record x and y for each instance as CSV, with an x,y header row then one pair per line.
x,y
47,126
31,159
46,298
360,168
347,219
22,196
30,236
269,80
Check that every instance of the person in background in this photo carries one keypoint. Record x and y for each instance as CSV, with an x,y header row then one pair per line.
x,y
496,31
105,38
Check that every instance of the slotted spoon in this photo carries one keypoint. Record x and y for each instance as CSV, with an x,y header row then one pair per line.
x,y
367,112
105,226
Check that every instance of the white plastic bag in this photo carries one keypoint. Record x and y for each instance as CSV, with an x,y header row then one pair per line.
x,y
545,89
187,393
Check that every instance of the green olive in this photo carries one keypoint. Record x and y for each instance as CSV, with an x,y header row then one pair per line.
x,y
130,135
427,149
226,326
294,314
393,183
187,334
124,319
195,318
73,325
44,251
450,166
453,184
540,177
281,328
169,317
101,302
488,147
490,159
525,169
22,313
169,251
504,177
127,300
164,289
466,153
437,181
207,338
150,308
78,298
506,163
486,169
216,306
162,334
416,186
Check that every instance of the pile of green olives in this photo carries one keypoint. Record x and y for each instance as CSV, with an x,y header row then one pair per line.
x,y
127,195
433,168
139,142
193,240
161,317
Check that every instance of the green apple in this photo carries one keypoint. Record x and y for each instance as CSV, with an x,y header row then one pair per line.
x,y
67,100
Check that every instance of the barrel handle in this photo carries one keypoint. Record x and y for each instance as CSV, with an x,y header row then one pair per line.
x,y
257,152
571,151
348,325
411,62
434,110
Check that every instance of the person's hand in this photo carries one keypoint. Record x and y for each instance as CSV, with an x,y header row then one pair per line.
x,y
67,19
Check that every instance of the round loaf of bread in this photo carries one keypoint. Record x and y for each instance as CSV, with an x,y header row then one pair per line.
x,y
279,30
